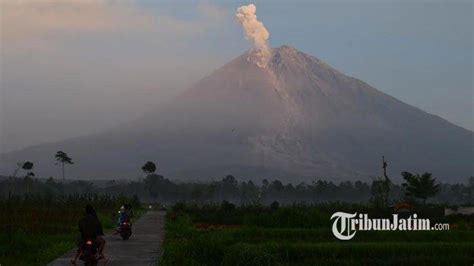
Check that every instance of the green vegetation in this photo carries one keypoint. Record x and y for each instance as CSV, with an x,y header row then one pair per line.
x,y
420,186
42,215
36,229
301,234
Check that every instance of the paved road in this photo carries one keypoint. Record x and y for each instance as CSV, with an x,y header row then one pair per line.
x,y
143,247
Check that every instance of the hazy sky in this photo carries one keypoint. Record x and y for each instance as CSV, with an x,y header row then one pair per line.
x,y
71,68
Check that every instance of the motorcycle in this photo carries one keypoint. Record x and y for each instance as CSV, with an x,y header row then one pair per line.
x,y
125,230
89,252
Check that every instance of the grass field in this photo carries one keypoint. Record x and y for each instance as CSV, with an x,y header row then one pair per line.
x,y
301,235
37,229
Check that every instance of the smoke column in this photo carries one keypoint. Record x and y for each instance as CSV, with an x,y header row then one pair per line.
x,y
255,31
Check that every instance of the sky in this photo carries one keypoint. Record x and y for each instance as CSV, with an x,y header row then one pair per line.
x,y
78,67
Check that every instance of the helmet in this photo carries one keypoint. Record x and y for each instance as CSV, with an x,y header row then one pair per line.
x,y
122,208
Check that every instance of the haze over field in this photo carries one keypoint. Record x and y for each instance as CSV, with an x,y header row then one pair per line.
x,y
276,113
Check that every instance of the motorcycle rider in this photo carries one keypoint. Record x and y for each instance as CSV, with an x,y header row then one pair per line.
x,y
90,228
123,216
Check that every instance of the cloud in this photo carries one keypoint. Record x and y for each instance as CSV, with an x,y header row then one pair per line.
x,y
101,63
26,21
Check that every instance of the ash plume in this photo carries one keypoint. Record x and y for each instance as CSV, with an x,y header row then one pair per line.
x,y
255,31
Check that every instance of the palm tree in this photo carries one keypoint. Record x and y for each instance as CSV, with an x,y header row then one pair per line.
x,y
151,180
63,158
28,166
417,186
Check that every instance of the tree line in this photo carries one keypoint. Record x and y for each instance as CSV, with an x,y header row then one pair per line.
x,y
381,192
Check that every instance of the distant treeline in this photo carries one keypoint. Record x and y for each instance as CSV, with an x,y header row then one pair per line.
x,y
156,188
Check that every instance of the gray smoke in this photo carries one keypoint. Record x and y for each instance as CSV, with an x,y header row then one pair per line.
x,y
255,31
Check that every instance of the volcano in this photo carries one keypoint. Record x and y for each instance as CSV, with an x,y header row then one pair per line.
x,y
296,119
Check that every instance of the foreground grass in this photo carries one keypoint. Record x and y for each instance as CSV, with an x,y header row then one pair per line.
x,y
252,242
37,232
23,248
36,249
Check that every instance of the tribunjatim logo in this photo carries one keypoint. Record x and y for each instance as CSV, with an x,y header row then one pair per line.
x,y
345,225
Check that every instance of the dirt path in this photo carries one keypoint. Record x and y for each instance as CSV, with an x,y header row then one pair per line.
x,y
143,247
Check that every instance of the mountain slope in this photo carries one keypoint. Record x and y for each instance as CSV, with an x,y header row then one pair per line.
x,y
295,119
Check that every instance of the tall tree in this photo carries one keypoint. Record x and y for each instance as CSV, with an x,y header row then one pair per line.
x,y
149,168
151,180
27,167
63,159
420,186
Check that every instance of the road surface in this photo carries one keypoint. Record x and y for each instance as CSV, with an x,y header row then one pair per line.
x,y
143,247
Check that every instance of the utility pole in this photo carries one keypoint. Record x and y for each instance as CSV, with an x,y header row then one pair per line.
x,y
387,180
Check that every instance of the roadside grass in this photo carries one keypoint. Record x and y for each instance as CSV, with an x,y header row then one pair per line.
x,y
37,249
